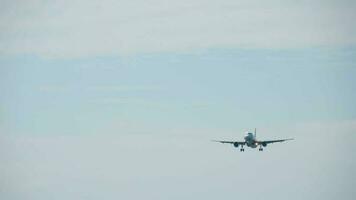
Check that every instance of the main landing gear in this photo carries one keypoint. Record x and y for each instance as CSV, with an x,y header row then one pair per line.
x,y
260,149
242,149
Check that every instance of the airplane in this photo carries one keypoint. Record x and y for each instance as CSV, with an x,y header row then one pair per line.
x,y
251,141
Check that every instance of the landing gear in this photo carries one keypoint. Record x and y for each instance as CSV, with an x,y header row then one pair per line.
x,y
242,149
260,149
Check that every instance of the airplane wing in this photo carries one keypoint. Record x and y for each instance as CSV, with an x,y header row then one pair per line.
x,y
230,142
273,141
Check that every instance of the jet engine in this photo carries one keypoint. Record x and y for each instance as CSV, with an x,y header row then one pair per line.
x,y
236,144
264,144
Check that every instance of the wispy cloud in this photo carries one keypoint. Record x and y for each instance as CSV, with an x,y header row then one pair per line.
x,y
107,94
123,88
90,28
119,100
100,88
54,88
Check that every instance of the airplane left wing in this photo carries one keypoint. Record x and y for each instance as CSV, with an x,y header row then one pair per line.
x,y
272,141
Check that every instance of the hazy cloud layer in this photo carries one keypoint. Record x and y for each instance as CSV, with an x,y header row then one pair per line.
x,y
180,164
85,28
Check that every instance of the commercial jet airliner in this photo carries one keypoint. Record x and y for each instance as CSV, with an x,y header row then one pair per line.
x,y
251,141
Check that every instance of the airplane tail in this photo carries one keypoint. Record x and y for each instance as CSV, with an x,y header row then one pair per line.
x,y
255,133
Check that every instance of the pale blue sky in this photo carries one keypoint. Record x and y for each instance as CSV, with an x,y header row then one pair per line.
x,y
140,127
120,99
225,89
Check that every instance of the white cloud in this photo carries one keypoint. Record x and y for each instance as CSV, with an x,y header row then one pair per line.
x,y
86,28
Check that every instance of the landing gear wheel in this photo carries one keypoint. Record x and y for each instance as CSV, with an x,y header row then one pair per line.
x,y
260,149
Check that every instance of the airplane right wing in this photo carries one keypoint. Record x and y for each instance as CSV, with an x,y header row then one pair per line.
x,y
230,142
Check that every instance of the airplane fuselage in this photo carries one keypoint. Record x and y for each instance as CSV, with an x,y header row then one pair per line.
x,y
250,140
